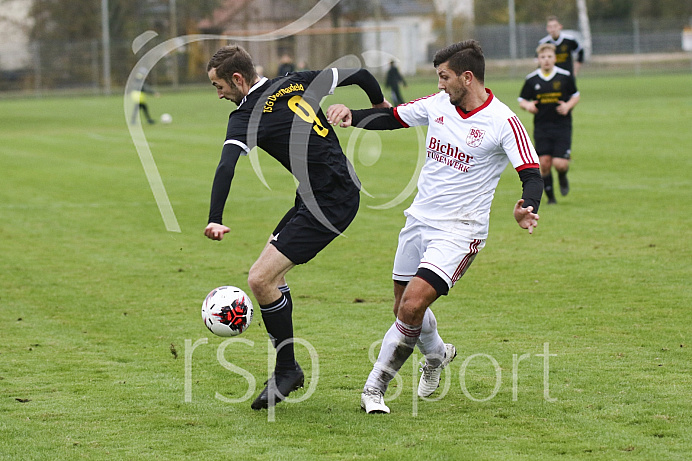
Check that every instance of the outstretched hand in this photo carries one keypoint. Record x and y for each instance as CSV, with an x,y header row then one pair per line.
x,y
525,217
216,231
338,114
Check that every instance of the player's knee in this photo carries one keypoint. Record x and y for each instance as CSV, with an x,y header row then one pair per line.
x,y
412,307
561,165
256,280
546,161
411,311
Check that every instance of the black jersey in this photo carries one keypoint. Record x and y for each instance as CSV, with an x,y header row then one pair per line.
x,y
283,117
566,47
548,90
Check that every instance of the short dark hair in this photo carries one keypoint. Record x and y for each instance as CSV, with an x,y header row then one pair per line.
x,y
231,59
463,56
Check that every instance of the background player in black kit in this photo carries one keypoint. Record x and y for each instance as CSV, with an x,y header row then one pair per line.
x,y
566,46
550,93
283,117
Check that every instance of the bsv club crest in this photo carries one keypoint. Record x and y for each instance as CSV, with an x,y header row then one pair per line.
x,y
475,137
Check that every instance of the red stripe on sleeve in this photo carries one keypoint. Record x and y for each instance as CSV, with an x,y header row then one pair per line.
x,y
396,114
520,138
526,166
527,141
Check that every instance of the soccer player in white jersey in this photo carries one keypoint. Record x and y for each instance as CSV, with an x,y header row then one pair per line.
x,y
472,136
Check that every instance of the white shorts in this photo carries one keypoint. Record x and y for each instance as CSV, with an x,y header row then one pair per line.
x,y
421,246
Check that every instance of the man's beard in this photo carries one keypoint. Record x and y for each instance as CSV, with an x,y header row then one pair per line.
x,y
459,97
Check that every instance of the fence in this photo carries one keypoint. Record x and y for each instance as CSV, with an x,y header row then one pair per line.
x,y
607,37
616,46
626,46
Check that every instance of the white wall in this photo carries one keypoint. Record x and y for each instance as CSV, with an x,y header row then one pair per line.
x,y
14,30
405,38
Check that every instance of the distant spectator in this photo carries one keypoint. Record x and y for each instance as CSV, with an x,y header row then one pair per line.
x,y
286,66
302,66
392,81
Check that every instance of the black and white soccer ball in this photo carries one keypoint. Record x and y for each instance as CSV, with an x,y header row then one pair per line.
x,y
227,311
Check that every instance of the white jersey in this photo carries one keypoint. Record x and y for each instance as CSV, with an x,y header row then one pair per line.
x,y
466,154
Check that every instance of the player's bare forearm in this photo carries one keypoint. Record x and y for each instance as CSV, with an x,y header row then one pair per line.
x,y
529,106
525,217
564,108
573,101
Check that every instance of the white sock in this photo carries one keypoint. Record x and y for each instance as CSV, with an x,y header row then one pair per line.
x,y
397,346
429,342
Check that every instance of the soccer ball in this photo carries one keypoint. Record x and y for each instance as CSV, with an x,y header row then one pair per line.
x,y
227,311
166,118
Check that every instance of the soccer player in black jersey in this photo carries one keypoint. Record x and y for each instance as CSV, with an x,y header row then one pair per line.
x,y
550,93
565,46
283,117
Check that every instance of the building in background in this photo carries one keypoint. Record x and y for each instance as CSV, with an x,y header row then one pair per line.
x,y
411,31
408,31
15,24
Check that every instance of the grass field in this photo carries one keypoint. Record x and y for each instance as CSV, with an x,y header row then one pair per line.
x,y
99,304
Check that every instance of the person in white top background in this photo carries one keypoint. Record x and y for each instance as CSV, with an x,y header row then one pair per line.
x,y
472,136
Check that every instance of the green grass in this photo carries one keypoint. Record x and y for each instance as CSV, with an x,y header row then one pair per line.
x,y
97,299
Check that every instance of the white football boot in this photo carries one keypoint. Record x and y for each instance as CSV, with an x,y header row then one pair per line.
x,y
430,379
372,401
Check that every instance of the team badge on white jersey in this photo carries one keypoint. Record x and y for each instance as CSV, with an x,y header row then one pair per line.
x,y
475,137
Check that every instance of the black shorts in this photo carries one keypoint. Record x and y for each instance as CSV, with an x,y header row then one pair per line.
x,y
300,235
557,143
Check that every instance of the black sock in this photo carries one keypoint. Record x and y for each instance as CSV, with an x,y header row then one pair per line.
x,y
548,185
286,290
278,321
562,175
